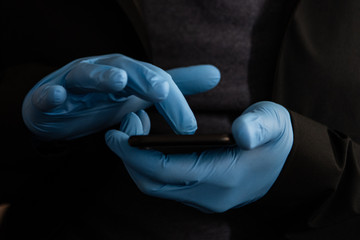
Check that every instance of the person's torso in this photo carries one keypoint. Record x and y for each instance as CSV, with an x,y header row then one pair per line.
x,y
241,38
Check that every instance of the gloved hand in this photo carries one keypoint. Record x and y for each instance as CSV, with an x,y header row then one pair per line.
x,y
91,94
213,180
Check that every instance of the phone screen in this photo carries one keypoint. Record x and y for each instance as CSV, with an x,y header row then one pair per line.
x,y
182,143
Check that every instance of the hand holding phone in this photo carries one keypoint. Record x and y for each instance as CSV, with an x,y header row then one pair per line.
x,y
212,180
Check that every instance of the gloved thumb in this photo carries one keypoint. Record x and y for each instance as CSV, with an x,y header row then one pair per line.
x,y
261,123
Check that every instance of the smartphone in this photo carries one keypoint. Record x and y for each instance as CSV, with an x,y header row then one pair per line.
x,y
182,143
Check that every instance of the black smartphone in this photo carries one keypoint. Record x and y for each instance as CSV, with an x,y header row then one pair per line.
x,y
182,143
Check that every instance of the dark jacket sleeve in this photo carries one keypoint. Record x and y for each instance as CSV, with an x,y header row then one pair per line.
x,y
320,181
318,78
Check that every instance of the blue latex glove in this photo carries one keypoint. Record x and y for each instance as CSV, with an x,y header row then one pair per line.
x,y
214,180
91,94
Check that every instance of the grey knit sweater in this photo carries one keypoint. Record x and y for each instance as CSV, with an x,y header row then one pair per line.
x,y
240,37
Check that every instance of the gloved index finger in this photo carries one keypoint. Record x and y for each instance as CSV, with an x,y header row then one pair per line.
x,y
177,112
175,109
